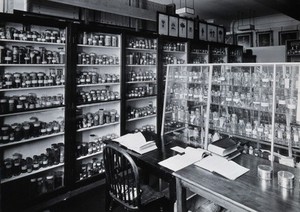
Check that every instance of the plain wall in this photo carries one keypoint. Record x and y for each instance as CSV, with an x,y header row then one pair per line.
x,y
269,54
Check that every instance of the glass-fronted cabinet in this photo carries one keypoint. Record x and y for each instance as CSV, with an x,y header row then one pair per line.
x,y
257,104
98,79
32,112
140,83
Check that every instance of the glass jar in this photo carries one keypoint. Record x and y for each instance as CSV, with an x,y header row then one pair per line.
x,y
50,182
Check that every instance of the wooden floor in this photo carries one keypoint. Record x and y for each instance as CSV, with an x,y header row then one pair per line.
x,y
90,201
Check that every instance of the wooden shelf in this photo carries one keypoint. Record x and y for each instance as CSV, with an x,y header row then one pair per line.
x,y
140,118
97,127
30,139
90,155
141,98
97,65
32,88
100,47
33,111
32,42
33,65
177,52
22,175
139,82
141,65
175,130
90,104
98,84
139,49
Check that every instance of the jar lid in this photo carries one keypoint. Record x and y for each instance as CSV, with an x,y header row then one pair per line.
x,y
5,127
49,177
33,180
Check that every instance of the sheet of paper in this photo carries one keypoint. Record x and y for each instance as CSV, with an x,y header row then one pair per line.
x,y
132,140
178,149
178,162
222,166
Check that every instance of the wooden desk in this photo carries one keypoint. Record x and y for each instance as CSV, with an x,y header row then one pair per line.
x,y
247,193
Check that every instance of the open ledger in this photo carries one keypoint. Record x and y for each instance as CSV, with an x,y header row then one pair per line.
x,y
222,166
190,156
136,142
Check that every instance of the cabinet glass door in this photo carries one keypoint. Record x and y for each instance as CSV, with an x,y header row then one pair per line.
x,y
186,103
141,84
32,112
98,99
287,113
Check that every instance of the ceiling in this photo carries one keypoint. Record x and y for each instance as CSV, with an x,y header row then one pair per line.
x,y
225,11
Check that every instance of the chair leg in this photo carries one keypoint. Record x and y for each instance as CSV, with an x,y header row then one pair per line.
x,y
108,202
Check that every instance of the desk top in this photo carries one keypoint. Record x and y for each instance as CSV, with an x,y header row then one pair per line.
x,y
248,191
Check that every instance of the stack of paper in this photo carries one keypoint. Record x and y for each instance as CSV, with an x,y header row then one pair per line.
x,y
222,166
136,142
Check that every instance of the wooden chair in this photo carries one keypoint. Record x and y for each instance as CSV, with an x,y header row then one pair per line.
x,y
123,181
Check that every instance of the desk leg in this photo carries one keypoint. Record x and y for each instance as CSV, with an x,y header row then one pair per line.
x,y
172,194
181,196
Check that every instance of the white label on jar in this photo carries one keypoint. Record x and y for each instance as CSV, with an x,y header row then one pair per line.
x,y
296,137
228,99
265,80
281,102
260,129
264,104
8,82
236,100
287,83
248,130
34,81
19,106
291,106
17,80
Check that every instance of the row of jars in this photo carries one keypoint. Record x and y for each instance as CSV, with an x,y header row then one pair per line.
x,y
33,79
170,59
141,91
18,165
136,112
29,129
199,59
171,125
232,124
190,76
44,184
145,128
97,39
194,117
29,102
141,75
94,59
193,93
48,35
96,166
98,118
92,77
98,95
257,78
96,144
142,43
201,51
174,47
29,55
220,51
139,58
